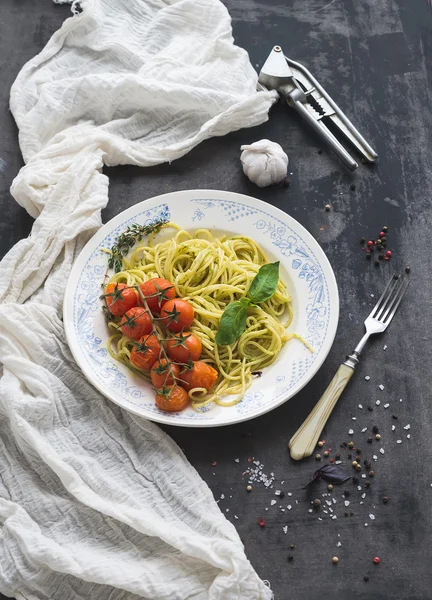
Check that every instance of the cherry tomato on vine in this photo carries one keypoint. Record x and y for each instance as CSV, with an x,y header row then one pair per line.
x,y
120,298
156,292
173,399
184,347
146,352
161,375
177,314
201,376
136,322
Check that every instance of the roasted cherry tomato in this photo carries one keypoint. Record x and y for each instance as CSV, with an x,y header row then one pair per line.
x,y
175,400
161,375
177,314
120,298
146,352
156,292
184,347
201,376
136,322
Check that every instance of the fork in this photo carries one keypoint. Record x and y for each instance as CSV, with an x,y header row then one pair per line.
x,y
306,437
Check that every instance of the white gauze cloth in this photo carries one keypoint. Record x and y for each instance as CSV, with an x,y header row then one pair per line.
x,y
96,503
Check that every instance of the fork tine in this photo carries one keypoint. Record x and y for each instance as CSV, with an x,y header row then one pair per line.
x,y
389,299
390,312
379,305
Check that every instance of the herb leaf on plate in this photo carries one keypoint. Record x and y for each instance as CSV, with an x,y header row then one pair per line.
x,y
264,283
232,323
233,320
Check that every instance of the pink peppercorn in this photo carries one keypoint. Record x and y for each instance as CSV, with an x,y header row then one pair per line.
x,y
388,253
377,560
261,523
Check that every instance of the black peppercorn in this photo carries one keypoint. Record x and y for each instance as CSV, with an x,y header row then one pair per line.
x,y
349,455
351,513
375,429
370,408
355,480
407,269
286,182
369,440
358,450
385,499
395,417
376,263
368,256
367,484
337,456
346,513
362,240
290,557
344,445
352,187
347,493
319,151
358,458
282,494
365,578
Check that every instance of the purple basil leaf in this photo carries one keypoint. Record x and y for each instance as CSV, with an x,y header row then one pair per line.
x,y
330,473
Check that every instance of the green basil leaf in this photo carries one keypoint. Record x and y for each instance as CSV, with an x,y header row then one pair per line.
x,y
232,323
245,302
264,283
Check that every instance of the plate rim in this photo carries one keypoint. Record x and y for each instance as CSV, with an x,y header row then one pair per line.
x,y
223,195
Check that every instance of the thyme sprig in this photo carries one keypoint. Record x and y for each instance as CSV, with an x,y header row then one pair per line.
x,y
127,240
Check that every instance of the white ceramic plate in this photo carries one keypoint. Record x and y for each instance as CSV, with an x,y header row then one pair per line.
x,y
304,268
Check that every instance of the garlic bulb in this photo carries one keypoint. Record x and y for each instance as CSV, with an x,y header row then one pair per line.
x,y
264,162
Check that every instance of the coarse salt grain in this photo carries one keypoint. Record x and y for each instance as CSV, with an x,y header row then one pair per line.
x,y
289,493
381,450
393,427
222,496
386,405
237,460
399,442
338,544
363,475
285,528
334,500
235,517
372,517
407,427
346,502
381,387
310,510
277,493
350,431
375,457
334,517
400,400
378,402
364,429
354,418
385,347
360,405
367,378
338,462
366,524
289,507
272,502
364,495
359,487
408,436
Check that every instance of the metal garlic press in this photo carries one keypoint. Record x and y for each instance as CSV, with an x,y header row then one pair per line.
x,y
303,93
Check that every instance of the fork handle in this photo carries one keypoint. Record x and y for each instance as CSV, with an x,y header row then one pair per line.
x,y
304,440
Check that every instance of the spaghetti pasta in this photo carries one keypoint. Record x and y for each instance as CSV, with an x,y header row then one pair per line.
x,y
209,273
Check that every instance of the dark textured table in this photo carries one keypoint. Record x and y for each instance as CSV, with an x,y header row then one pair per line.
x,y
374,58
